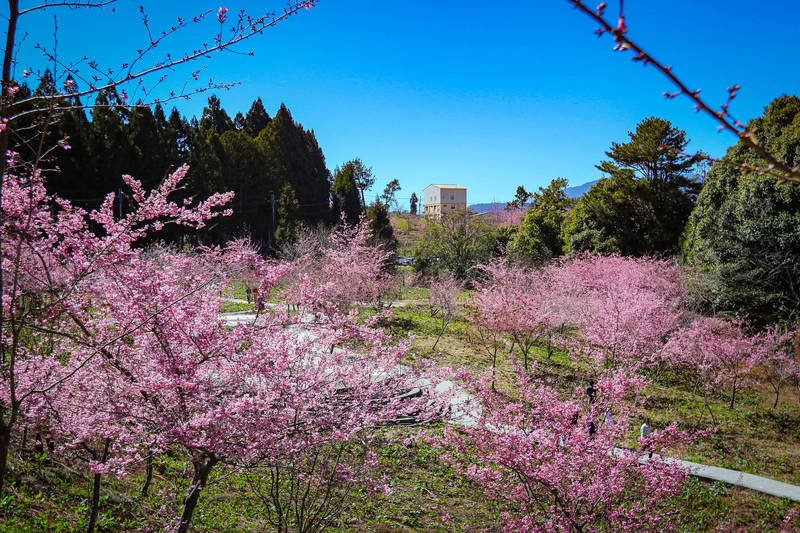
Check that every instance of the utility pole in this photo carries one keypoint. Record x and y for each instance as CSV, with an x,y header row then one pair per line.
x,y
271,234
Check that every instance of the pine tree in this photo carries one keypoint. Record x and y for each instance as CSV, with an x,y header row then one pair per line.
x,y
643,205
388,193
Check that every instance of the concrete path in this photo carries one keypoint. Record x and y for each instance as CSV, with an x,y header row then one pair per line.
x,y
465,412
740,479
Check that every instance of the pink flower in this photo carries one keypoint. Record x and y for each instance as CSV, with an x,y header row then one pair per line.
x,y
221,16
621,27
13,90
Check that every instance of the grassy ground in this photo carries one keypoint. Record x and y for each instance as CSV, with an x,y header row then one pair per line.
x,y
425,496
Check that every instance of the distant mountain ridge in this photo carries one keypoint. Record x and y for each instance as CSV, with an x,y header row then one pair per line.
x,y
579,190
572,192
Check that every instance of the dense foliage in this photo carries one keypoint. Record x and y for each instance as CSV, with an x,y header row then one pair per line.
x,y
456,244
642,205
346,191
744,233
539,237
256,156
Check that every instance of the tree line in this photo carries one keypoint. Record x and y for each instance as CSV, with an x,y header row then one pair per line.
x,y
274,165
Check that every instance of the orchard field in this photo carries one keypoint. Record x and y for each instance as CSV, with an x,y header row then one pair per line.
x,y
205,329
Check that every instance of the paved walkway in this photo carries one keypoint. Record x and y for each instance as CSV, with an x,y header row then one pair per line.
x,y
467,416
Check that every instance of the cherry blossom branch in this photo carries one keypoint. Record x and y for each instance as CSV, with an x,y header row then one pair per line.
x,y
723,117
74,5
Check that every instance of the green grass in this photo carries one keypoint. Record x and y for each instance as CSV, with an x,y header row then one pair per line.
x,y
48,496
234,307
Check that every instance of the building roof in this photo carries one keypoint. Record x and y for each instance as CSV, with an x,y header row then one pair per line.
x,y
445,186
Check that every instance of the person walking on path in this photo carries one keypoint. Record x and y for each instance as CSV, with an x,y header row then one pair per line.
x,y
591,392
644,433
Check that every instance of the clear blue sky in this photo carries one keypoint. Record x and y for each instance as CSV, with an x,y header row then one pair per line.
x,y
468,92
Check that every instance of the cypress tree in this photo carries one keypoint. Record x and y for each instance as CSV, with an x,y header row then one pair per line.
x,y
345,193
256,119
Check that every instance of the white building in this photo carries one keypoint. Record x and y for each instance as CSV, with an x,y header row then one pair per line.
x,y
442,199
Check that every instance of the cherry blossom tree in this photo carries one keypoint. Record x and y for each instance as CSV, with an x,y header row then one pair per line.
x,y
778,364
54,258
345,272
514,301
720,353
624,307
443,301
271,393
552,466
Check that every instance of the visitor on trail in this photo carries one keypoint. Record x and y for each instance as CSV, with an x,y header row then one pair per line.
x,y
608,418
644,432
259,300
591,391
249,293
592,428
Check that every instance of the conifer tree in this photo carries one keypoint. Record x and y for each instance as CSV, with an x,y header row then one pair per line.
x,y
214,117
381,226
256,119
388,193
345,192
110,145
539,236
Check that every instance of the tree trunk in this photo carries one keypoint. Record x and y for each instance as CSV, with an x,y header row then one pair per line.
x,y
96,490
149,475
5,442
201,470
95,503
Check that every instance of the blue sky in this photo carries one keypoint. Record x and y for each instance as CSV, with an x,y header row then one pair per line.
x,y
474,93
